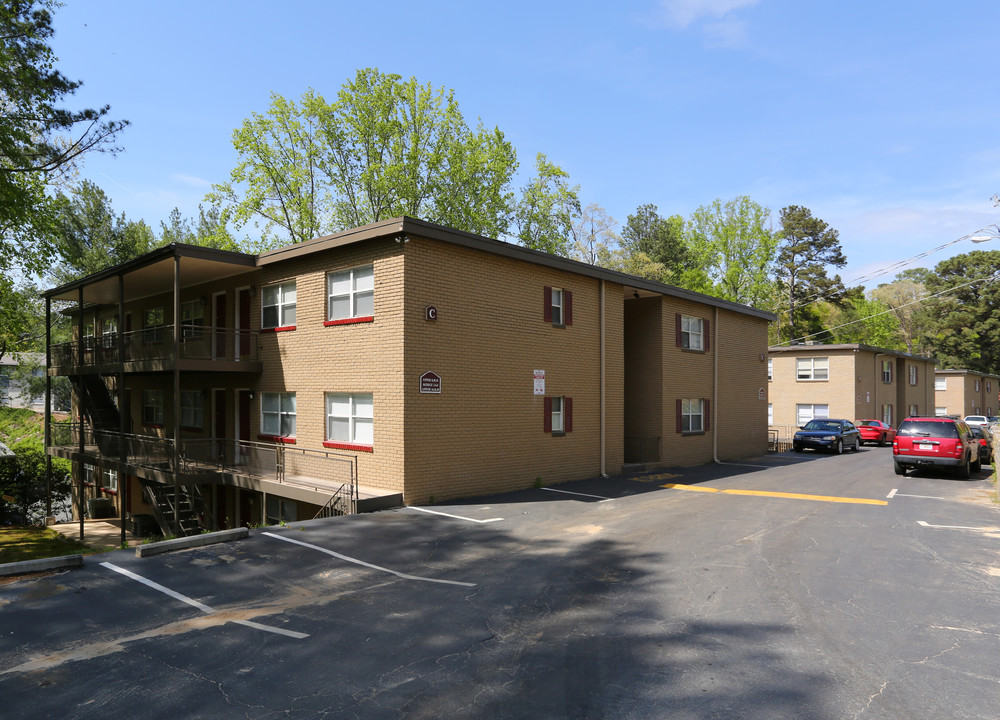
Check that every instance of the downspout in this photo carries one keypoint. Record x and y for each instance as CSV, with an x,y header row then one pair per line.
x,y
604,470
715,387
123,488
80,403
48,406
177,394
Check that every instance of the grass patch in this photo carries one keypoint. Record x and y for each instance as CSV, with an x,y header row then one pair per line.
x,y
35,543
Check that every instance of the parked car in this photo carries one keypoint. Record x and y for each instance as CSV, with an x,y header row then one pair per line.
x,y
985,438
827,434
976,420
875,431
935,442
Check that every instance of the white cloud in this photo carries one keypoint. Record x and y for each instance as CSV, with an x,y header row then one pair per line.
x,y
683,13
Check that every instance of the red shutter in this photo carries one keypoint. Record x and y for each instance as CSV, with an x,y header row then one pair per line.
x,y
708,336
568,414
548,414
547,312
708,414
567,307
678,319
679,412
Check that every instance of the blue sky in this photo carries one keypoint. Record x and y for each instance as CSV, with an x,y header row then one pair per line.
x,y
879,116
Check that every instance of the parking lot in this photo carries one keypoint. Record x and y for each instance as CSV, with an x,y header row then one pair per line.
x,y
786,586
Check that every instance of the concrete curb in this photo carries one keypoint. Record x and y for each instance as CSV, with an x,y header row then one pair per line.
x,y
190,542
29,566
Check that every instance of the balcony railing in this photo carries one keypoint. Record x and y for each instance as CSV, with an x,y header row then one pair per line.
x,y
157,343
276,462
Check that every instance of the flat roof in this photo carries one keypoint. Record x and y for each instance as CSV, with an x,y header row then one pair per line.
x,y
856,347
964,372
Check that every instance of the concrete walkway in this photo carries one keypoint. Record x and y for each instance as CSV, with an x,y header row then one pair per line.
x,y
97,533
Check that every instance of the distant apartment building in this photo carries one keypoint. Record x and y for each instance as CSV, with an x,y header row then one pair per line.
x,y
850,381
964,392
400,362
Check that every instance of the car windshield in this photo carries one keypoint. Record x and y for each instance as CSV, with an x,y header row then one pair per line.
x,y
976,431
928,428
822,425
869,423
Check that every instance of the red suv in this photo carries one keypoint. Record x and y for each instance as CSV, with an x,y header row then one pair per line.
x,y
935,442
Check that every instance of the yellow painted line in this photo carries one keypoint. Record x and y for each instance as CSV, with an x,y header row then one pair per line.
x,y
793,496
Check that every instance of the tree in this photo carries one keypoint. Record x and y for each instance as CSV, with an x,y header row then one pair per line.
x,y
23,478
90,238
386,147
964,296
209,230
595,239
903,297
864,320
39,140
544,216
659,239
807,246
735,246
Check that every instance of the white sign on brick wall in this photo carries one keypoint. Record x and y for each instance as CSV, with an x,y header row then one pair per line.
x,y
539,382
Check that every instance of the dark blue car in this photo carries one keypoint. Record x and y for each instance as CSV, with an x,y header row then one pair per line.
x,y
827,434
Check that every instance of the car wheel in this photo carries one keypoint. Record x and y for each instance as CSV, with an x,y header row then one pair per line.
x,y
978,465
963,471
797,449
881,440
840,446
900,470
857,444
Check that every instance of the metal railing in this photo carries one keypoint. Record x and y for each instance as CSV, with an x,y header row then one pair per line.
x,y
156,343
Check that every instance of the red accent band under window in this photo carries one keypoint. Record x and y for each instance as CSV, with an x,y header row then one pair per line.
x,y
350,321
283,328
277,439
348,446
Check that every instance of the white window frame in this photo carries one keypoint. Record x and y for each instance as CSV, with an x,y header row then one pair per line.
x,y
804,412
192,409
812,369
914,411
109,479
692,415
277,414
940,411
692,332
913,374
887,372
558,310
887,414
770,368
353,412
940,384
192,319
153,322
279,301
359,293
770,414
558,415
977,385
152,407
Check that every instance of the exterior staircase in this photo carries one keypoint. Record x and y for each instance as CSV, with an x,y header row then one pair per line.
x,y
193,512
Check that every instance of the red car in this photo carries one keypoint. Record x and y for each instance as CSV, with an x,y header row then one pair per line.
x,y
875,431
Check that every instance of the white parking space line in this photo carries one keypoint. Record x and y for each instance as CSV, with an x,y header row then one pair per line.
x,y
457,517
891,494
405,576
201,606
924,497
567,492
954,527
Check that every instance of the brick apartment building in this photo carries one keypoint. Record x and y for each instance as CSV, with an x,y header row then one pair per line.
x,y
964,392
400,362
849,381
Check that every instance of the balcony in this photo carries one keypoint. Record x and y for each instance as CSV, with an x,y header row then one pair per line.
x,y
308,475
152,350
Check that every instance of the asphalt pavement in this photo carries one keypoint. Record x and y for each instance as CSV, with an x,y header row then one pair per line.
x,y
789,586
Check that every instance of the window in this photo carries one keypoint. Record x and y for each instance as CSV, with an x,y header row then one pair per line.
x,y
88,474
281,510
558,415
278,306
913,374
770,368
558,307
692,332
192,319
692,415
109,480
913,411
277,414
812,369
351,294
887,414
805,413
192,409
770,414
350,419
989,386
940,411
941,383
152,324
887,371
977,384
109,332
152,407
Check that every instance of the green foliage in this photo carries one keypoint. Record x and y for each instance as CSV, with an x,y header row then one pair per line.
x,y
40,142
209,230
807,246
24,477
90,237
966,333
656,245
865,320
903,296
385,148
544,216
733,249
595,240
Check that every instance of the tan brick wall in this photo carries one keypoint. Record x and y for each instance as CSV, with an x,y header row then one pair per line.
x,y
484,432
644,377
961,397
